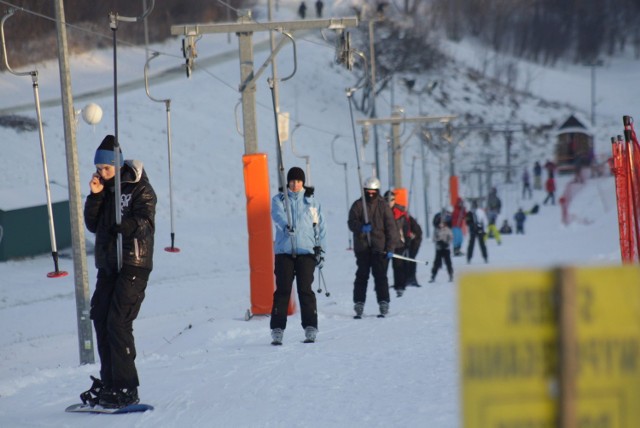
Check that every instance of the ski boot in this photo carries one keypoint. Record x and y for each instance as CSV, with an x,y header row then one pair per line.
x,y
276,336
384,309
119,398
359,308
310,334
92,395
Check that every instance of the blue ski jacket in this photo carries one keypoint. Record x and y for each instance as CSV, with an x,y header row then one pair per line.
x,y
307,222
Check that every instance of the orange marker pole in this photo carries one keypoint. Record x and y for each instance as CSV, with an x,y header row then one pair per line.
x,y
261,258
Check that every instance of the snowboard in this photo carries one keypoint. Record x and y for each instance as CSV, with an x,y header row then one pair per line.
x,y
85,408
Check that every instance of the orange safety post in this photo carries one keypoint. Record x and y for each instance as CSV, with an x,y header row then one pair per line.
x,y
256,185
454,192
402,196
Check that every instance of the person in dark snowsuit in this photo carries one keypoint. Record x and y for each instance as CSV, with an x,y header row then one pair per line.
x,y
537,176
319,7
476,222
119,293
414,238
402,222
302,10
519,218
374,243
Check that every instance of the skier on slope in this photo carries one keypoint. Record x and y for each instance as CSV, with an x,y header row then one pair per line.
x,y
442,237
401,218
118,294
374,242
298,248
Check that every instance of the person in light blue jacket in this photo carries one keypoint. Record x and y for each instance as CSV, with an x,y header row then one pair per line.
x,y
299,243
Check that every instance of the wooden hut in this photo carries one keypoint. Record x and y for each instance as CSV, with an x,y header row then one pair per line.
x,y
574,146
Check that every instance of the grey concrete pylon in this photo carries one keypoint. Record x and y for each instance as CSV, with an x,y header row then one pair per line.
x,y
395,121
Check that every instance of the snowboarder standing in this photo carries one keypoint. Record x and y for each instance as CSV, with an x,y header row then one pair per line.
x,y
298,249
374,242
442,238
119,293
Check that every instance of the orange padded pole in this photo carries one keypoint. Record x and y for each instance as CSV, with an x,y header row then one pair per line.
x,y
256,185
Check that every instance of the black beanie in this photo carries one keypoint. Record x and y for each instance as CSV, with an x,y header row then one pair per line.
x,y
295,173
105,153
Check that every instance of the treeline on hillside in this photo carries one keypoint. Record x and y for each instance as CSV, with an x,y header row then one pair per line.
x,y
543,30
31,32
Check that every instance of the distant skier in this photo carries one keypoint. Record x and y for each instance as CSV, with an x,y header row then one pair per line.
x,y
373,245
442,237
520,218
476,221
457,222
526,184
302,10
319,7
414,239
402,222
298,249
537,176
550,186
119,293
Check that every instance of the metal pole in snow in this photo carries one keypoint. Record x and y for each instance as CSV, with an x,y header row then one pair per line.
x,y
57,273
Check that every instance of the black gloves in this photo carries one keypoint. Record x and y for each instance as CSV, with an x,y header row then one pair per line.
x,y
126,228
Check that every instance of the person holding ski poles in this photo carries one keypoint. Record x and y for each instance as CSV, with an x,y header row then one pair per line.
x,y
476,221
442,237
299,243
119,290
375,236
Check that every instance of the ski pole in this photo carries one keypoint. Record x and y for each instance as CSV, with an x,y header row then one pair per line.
x,y
322,282
113,24
167,103
57,273
408,259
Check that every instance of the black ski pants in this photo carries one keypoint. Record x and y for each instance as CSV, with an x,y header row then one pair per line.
x,y
400,270
377,264
442,255
473,236
410,267
286,268
115,305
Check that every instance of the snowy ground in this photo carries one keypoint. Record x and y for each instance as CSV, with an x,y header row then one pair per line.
x,y
200,363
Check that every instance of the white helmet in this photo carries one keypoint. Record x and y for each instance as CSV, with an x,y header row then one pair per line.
x,y
372,183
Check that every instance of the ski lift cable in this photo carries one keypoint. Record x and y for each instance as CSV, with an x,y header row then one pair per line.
x,y
77,28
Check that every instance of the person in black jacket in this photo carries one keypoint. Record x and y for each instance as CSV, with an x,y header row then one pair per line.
x,y
374,242
119,291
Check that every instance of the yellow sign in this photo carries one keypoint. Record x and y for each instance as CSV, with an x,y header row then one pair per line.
x,y
509,359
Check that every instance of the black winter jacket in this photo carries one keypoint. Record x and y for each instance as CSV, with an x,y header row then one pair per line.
x,y
138,215
384,232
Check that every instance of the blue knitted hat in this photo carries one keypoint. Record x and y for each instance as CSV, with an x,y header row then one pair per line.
x,y
105,153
